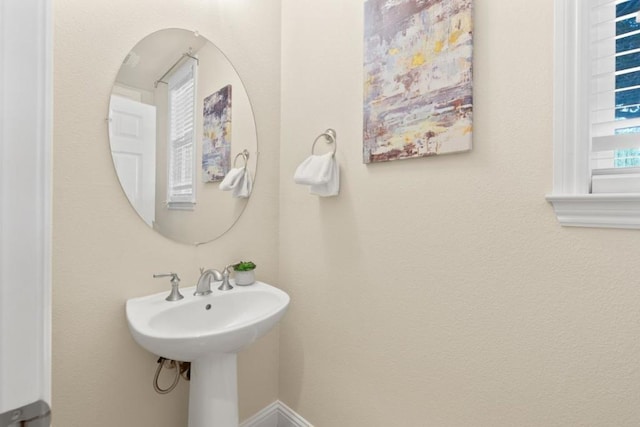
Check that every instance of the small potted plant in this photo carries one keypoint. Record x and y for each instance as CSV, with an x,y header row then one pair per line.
x,y
244,273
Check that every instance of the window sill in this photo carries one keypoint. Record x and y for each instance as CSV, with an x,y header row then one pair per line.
x,y
597,210
181,206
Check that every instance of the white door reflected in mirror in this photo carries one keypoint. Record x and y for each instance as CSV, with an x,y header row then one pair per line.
x,y
132,133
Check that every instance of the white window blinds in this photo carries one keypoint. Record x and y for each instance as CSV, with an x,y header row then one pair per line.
x,y
614,52
182,148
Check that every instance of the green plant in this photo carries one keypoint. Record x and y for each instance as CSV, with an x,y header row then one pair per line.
x,y
244,266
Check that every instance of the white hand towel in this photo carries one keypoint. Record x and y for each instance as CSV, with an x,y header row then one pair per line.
x,y
332,187
243,190
315,170
238,180
232,179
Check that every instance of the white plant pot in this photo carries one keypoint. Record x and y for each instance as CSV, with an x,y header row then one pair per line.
x,y
245,278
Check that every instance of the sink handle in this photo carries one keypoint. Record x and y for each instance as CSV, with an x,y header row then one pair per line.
x,y
175,286
226,286
173,276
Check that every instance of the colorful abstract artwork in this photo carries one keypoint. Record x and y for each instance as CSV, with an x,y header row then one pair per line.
x,y
417,78
216,141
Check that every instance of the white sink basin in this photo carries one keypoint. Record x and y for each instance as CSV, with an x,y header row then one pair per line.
x,y
198,326
207,331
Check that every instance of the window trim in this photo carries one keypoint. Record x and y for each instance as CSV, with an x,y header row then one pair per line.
x,y
573,204
182,202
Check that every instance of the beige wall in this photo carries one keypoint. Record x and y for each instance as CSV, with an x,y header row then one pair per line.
x,y
442,291
431,292
103,253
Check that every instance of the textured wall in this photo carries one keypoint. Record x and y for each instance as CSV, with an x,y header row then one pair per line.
x,y
103,253
442,291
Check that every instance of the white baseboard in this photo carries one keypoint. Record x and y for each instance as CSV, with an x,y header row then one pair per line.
x,y
289,418
268,417
276,415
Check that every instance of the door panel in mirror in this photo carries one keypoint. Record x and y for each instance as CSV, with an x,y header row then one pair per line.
x,y
133,148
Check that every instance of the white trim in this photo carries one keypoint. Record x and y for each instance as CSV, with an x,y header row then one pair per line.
x,y
268,417
571,113
276,415
179,202
289,418
598,210
181,206
25,176
46,186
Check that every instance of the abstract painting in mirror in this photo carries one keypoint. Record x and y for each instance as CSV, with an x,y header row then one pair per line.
x,y
216,147
172,136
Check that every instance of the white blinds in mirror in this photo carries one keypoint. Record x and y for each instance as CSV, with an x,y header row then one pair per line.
x,y
181,155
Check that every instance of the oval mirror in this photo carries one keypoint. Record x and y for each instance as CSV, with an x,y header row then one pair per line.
x,y
183,136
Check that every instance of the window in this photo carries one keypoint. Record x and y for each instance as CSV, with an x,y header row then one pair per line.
x,y
182,146
615,88
597,113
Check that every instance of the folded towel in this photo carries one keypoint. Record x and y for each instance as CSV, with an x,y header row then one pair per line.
x,y
315,170
243,190
321,173
232,179
331,188
238,180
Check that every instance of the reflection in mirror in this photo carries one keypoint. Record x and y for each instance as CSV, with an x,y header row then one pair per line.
x,y
180,123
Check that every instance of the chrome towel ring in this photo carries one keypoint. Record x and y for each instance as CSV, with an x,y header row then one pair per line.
x,y
330,136
244,154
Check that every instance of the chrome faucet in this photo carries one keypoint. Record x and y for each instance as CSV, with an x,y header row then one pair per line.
x,y
204,282
175,294
225,286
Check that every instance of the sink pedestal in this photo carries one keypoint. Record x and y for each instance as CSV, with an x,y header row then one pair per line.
x,y
213,391
208,331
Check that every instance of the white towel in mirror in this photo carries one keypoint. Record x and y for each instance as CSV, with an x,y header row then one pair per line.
x,y
237,180
243,189
231,179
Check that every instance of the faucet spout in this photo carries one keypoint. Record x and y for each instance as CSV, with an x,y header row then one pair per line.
x,y
204,282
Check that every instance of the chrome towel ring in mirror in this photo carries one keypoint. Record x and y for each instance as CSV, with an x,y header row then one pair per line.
x,y
245,156
330,136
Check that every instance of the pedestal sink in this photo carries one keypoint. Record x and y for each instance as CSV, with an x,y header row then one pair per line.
x,y
207,331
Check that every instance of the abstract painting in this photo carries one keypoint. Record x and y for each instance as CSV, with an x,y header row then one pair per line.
x,y
216,141
417,78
